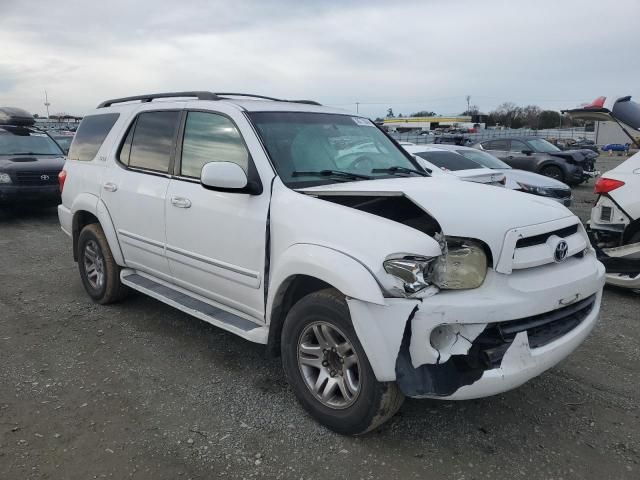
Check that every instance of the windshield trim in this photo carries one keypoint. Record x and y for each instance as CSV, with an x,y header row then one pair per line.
x,y
328,181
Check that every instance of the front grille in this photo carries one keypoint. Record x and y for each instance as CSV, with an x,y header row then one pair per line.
x,y
37,178
543,237
606,213
541,330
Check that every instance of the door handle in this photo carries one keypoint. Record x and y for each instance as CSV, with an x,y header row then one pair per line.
x,y
110,187
510,157
180,202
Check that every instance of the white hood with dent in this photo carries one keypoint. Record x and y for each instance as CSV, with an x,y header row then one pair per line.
x,y
463,209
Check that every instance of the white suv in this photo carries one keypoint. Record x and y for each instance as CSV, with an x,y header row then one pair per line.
x,y
309,230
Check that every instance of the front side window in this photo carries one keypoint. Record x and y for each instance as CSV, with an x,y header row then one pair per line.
x,y
210,137
309,148
152,141
24,141
518,146
90,136
541,145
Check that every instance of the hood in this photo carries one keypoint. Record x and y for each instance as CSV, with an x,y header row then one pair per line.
x,y
31,162
463,209
531,178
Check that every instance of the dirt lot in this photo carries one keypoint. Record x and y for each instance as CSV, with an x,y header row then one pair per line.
x,y
139,390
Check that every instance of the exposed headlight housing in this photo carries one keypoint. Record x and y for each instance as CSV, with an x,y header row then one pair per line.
x,y
463,265
413,271
5,178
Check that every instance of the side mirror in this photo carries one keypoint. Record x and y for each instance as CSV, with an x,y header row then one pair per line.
x,y
226,176
527,151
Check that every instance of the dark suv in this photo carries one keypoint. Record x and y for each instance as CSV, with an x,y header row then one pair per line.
x,y
30,160
537,155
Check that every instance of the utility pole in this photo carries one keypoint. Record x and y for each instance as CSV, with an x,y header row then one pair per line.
x,y
357,107
46,103
468,103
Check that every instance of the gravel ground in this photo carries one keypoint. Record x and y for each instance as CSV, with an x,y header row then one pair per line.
x,y
139,390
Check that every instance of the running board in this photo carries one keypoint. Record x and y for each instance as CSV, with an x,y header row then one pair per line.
x,y
191,305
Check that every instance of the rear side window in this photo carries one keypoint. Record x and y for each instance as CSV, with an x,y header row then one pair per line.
x,y
209,137
449,160
149,144
496,145
90,135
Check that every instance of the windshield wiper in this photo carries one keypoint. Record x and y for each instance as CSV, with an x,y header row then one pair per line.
x,y
396,169
332,173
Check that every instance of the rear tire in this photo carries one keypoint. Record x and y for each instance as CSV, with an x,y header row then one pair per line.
x,y
99,272
357,403
553,171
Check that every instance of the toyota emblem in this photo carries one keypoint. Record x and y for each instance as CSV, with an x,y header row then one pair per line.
x,y
560,253
44,178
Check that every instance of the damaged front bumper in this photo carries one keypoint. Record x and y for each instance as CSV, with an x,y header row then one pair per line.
x,y
476,343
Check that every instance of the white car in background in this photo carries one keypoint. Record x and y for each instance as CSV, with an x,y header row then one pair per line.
x,y
437,159
521,180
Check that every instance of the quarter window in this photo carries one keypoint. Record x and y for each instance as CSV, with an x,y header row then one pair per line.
x,y
210,137
152,141
90,136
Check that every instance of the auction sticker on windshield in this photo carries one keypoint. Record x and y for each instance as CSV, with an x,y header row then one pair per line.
x,y
363,122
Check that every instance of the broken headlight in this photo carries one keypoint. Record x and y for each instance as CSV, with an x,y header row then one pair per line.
x,y
463,265
413,271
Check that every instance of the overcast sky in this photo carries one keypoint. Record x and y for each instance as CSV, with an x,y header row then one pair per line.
x,y
423,55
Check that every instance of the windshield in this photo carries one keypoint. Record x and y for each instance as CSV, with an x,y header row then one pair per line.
x,y
541,145
64,141
22,141
310,149
484,159
449,160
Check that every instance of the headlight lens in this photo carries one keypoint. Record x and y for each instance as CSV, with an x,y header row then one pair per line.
x,y
542,191
5,178
462,266
413,271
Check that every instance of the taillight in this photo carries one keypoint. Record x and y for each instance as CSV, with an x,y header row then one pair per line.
x,y
62,176
605,185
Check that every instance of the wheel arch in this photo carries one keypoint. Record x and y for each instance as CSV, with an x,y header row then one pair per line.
x,y
88,209
304,269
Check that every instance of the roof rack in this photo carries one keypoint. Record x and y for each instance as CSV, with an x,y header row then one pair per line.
x,y
200,95
152,96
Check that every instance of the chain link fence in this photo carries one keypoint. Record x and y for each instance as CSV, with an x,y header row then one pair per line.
x,y
471,138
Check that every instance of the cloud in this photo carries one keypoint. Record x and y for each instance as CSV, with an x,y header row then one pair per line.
x,y
410,56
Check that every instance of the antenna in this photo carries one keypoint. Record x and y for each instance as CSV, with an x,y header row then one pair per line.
x,y
46,103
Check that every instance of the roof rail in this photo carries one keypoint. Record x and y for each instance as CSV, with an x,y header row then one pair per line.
x,y
152,96
307,102
201,95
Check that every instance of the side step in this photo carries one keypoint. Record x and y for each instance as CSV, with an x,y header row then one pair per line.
x,y
191,305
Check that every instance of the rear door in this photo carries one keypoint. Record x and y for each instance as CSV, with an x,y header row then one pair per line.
x,y
134,189
216,240
516,159
498,148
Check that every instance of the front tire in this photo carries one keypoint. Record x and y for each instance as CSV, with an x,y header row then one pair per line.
x,y
328,369
553,171
99,272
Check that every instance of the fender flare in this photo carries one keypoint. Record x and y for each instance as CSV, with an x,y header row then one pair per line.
x,y
337,269
91,203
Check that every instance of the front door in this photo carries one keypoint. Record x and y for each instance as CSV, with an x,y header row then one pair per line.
x,y
216,239
517,159
134,190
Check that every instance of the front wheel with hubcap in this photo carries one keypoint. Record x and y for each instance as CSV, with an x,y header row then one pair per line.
x,y
553,171
329,370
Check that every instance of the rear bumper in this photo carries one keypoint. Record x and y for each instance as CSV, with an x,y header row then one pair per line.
x,y
12,194
66,219
436,347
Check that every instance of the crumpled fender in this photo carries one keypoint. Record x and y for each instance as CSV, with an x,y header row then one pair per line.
x,y
337,269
